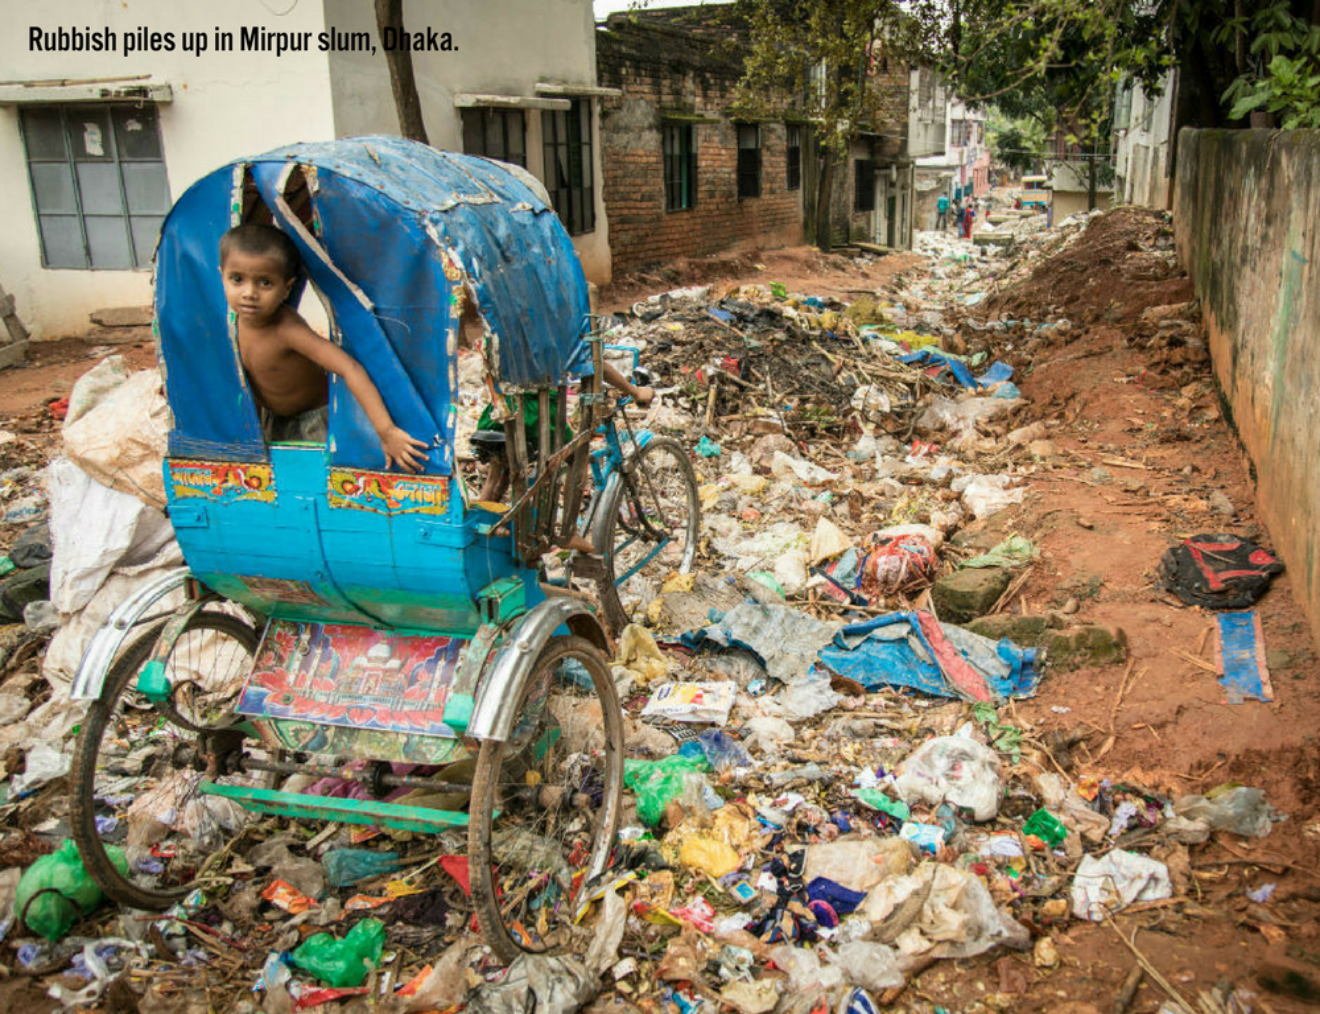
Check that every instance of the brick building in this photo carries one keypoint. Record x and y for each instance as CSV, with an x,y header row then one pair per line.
x,y
683,174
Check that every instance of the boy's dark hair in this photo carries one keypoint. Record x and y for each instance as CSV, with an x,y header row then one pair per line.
x,y
262,241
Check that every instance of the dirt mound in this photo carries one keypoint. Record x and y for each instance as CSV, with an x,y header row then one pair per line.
x,y
1122,263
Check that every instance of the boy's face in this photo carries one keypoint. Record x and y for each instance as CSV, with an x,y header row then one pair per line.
x,y
255,287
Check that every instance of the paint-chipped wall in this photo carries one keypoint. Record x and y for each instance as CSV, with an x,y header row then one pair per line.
x,y
1245,213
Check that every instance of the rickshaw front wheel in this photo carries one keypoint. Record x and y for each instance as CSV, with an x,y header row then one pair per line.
x,y
545,804
137,774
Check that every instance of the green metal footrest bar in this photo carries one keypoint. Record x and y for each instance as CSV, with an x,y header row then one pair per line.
x,y
349,811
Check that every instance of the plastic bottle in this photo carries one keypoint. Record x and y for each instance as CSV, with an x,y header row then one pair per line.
x,y
342,963
345,867
55,891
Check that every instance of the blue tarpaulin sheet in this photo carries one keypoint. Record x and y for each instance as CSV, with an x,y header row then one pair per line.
x,y
961,373
913,650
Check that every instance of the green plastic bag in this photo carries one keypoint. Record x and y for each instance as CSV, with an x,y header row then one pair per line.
x,y
655,783
56,891
342,963
1047,827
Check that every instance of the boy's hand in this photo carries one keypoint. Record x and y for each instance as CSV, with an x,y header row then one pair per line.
x,y
643,396
403,450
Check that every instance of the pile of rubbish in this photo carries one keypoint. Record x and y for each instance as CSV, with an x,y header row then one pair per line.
x,y
828,787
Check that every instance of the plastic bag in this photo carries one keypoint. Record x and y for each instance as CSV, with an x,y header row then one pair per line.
x,y
805,698
1241,810
722,751
767,732
1104,886
607,933
44,763
985,495
342,962
655,783
955,916
782,466
91,388
446,986
638,653
56,891
857,864
344,867
870,965
1014,551
710,855
828,541
956,770
804,968
791,571
540,983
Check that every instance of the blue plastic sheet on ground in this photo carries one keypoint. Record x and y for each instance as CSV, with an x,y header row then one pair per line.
x,y
784,639
934,357
893,650
996,373
1242,661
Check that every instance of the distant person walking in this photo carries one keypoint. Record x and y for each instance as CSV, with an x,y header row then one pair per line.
x,y
957,215
942,212
969,213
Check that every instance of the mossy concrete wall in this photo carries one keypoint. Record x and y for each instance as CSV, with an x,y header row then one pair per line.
x,y
1247,222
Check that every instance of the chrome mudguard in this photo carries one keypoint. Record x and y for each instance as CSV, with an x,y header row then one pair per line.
x,y
107,641
496,709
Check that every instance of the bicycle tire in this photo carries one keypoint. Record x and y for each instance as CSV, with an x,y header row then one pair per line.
x,y
640,486
502,781
87,755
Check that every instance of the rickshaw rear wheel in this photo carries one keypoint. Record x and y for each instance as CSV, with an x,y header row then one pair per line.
x,y
650,520
545,804
120,727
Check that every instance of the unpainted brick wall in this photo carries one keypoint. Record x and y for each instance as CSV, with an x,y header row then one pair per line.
x,y
666,70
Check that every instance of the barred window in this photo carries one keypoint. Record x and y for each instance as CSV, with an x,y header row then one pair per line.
x,y
749,160
98,183
680,166
496,133
566,137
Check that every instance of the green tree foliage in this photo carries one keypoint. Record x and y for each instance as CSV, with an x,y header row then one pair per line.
x,y
1277,57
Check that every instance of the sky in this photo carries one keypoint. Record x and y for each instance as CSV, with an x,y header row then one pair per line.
x,y
604,7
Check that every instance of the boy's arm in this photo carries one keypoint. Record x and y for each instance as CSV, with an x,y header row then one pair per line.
x,y
400,448
642,395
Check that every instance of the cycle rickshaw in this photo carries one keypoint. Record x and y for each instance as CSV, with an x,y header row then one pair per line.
x,y
367,647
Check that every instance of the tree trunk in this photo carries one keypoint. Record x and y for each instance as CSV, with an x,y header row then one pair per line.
x,y
824,186
407,103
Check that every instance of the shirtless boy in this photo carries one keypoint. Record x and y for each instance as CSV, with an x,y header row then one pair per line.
x,y
285,360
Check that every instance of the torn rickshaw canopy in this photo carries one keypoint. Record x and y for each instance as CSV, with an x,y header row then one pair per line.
x,y
392,227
